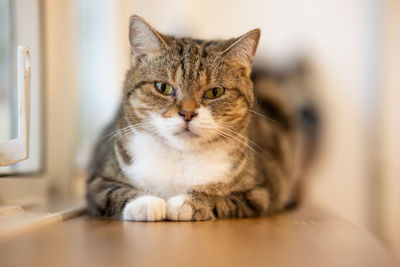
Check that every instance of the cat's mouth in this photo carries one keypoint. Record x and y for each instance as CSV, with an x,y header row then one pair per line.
x,y
186,132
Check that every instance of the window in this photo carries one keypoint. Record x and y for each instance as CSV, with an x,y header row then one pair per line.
x,y
19,25
7,99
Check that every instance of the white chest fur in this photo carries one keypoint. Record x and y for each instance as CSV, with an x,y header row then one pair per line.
x,y
165,172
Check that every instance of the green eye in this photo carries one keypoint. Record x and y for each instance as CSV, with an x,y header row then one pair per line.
x,y
164,88
214,92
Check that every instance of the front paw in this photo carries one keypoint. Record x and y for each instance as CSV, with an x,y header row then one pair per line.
x,y
183,208
145,208
179,209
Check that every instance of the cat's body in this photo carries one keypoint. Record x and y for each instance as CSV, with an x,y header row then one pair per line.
x,y
193,146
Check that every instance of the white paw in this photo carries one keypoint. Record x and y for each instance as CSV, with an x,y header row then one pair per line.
x,y
145,208
179,209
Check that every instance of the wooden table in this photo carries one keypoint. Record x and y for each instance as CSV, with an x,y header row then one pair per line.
x,y
304,237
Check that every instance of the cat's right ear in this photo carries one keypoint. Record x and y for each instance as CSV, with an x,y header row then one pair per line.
x,y
145,41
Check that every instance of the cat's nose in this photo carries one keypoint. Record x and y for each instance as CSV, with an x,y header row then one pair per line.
x,y
187,114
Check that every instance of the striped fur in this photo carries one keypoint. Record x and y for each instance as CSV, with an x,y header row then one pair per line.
x,y
236,158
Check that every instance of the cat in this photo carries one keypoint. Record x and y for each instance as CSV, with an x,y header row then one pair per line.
x,y
189,142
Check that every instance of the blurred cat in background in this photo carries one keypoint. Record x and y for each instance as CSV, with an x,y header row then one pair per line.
x,y
194,139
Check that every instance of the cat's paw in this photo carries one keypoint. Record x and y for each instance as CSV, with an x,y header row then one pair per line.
x,y
179,209
259,198
145,208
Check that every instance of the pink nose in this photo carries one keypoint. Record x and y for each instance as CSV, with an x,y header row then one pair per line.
x,y
187,115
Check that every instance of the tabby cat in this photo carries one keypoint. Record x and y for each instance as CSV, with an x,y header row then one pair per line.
x,y
189,143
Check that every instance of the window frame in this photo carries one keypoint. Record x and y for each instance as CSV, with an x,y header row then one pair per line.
x,y
27,30
56,179
29,187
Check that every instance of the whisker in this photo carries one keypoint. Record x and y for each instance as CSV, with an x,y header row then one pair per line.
x,y
235,132
240,135
242,141
262,116
114,133
249,143
139,126
246,145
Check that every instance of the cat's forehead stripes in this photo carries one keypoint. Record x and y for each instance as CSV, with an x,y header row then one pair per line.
x,y
192,56
198,64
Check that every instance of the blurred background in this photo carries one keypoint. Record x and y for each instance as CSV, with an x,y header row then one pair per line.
x,y
81,53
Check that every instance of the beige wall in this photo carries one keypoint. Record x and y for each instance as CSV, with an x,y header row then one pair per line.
x,y
387,221
61,93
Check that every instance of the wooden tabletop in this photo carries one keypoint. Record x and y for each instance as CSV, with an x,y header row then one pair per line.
x,y
303,237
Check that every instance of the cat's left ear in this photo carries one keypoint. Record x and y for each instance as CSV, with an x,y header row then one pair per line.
x,y
244,48
145,41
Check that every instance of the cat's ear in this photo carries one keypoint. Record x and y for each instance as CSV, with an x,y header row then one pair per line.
x,y
244,48
144,39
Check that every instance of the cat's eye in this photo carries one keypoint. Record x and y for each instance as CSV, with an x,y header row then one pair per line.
x,y
164,88
214,92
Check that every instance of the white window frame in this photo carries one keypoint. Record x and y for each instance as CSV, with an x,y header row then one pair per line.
x,y
53,54
17,149
25,183
26,31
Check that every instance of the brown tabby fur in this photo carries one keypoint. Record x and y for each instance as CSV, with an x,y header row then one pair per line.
x,y
264,140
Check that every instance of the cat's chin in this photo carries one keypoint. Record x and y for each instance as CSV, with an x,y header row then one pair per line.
x,y
186,140
186,134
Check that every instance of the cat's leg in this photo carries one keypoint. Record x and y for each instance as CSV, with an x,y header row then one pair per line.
x,y
118,199
199,207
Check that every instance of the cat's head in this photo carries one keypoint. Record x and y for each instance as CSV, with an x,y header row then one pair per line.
x,y
188,92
